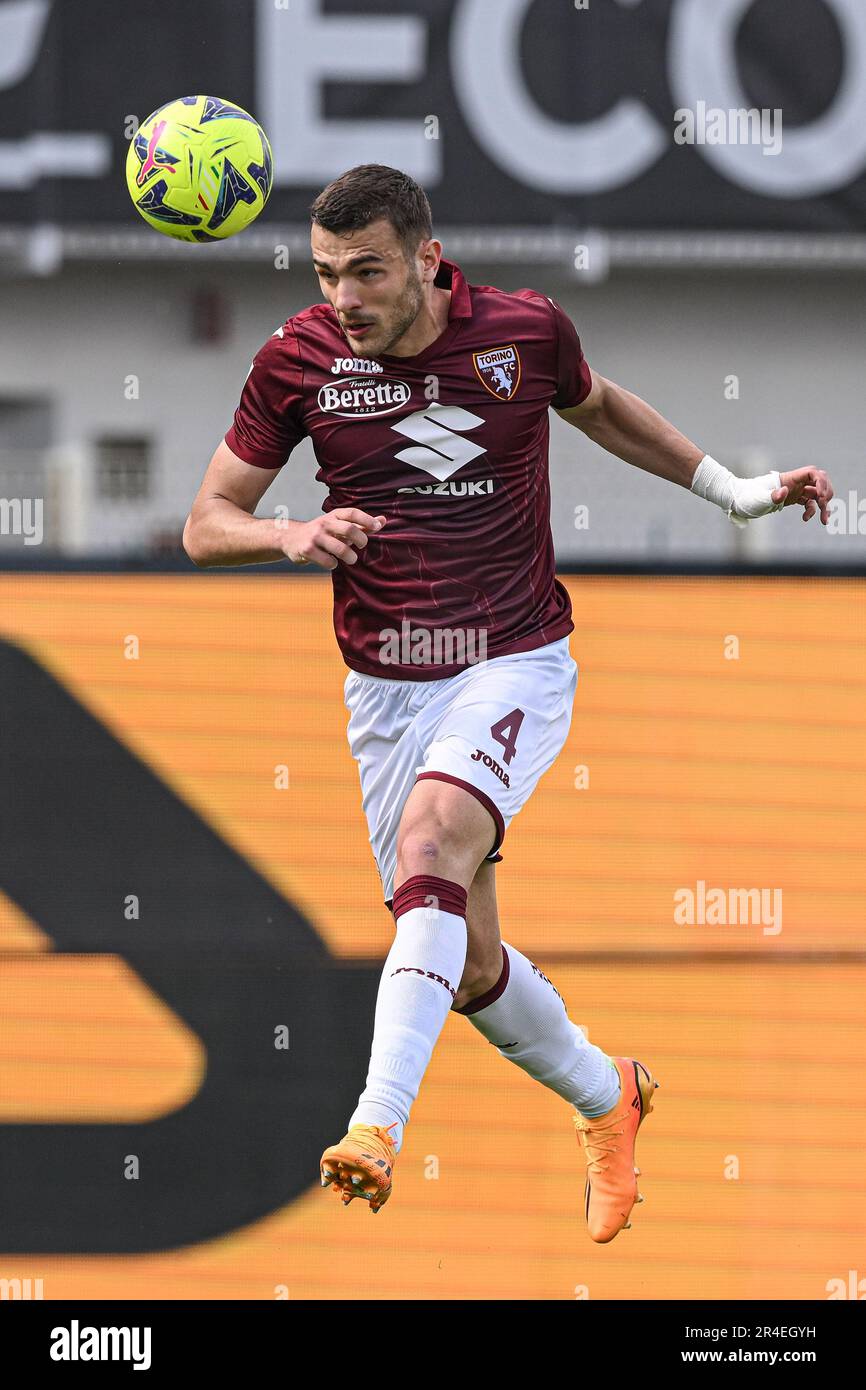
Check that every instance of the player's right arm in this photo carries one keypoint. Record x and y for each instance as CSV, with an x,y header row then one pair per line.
x,y
222,529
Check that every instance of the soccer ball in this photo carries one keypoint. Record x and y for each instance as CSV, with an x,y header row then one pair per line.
x,y
199,169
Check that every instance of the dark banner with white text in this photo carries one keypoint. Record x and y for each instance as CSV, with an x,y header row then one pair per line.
x,y
538,114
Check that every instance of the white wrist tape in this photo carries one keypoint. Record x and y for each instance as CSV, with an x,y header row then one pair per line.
x,y
741,499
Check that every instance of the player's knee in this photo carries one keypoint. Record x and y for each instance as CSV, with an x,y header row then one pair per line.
x,y
421,847
432,849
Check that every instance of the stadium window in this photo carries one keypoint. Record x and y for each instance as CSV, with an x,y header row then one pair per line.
x,y
123,468
25,422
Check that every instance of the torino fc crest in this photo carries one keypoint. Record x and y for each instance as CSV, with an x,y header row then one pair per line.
x,y
498,369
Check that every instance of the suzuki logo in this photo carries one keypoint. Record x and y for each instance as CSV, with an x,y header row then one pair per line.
x,y
441,450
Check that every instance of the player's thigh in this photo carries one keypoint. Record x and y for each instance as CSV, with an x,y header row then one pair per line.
x,y
444,830
380,740
503,728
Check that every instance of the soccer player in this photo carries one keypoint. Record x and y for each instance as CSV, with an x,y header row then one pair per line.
x,y
427,399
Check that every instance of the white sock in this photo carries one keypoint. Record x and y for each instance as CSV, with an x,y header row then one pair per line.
x,y
419,982
525,1019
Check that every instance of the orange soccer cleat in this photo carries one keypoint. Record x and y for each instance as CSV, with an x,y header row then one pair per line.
x,y
608,1143
361,1165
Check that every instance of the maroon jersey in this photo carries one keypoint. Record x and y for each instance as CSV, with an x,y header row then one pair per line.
x,y
451,445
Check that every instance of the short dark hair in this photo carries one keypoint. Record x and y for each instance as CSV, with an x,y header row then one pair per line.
x,y
370,191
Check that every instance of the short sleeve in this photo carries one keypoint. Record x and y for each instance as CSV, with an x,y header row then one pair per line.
x,y
573,377
268,423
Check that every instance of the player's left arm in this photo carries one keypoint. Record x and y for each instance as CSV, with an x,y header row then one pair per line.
x,y
628,427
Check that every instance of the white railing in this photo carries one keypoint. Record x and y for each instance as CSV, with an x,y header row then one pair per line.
x,y
50,502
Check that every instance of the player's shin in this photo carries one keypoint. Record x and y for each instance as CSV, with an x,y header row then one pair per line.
x,y
525,1019
418,987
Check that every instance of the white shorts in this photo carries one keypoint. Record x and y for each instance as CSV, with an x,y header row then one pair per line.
x,y
495,728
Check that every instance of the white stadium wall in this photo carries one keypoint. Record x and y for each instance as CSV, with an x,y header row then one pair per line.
x,y
763,369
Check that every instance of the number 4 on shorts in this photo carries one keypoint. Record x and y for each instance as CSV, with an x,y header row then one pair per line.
x,y
510,722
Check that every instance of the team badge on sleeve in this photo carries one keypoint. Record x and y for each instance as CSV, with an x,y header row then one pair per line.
x,y
498,370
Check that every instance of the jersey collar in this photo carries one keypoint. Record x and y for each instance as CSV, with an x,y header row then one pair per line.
x,y
450,276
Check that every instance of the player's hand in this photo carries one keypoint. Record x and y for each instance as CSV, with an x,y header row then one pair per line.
x,y
328,539
806,487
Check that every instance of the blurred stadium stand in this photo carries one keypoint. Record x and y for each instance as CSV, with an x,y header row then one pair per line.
x,y
702,263
792,339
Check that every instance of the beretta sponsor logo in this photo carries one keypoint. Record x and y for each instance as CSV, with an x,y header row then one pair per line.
x,y
367,395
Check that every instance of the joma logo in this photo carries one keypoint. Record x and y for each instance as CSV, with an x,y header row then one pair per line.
x,y
480,756
365,366
428,975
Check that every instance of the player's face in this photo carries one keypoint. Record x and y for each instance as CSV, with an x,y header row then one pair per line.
x,y
374,291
